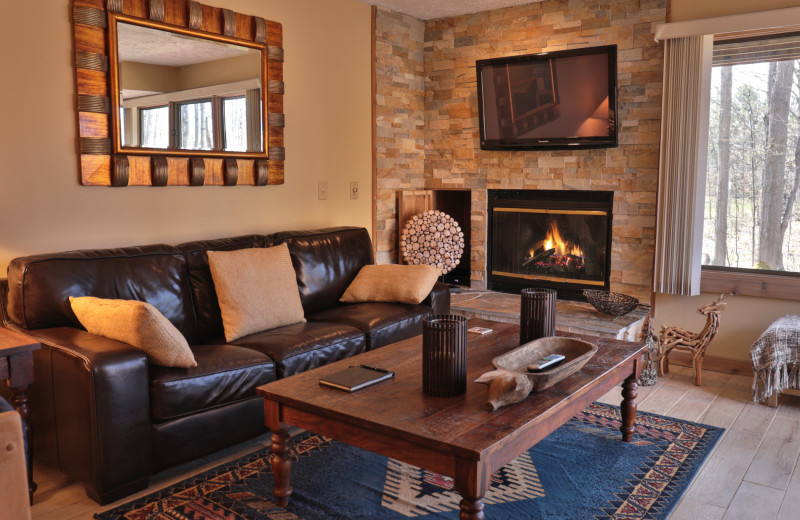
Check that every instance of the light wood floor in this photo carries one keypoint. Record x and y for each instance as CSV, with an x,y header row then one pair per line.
x,y
753,472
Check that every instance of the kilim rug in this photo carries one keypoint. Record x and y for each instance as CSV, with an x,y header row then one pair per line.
x,y
583,470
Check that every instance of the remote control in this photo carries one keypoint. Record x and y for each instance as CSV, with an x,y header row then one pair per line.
x,y
545,362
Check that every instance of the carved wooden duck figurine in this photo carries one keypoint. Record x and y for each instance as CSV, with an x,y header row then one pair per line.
x,y
505,388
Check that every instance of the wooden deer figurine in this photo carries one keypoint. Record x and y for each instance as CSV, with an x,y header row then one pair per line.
x,y
696,343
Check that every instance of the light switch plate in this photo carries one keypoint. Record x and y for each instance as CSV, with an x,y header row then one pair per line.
x,y
322,190
354,189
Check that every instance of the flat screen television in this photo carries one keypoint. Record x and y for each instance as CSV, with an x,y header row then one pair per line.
x,y
551,100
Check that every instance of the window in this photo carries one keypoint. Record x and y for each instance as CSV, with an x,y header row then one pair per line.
x,y
154,127
196,125
752,216
234,116
215,123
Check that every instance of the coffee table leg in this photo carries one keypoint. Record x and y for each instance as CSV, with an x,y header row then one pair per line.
x,y
471,482
281,462
628,407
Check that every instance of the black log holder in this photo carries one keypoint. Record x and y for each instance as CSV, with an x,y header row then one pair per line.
x,y
537,316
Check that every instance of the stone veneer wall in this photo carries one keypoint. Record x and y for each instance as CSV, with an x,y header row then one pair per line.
x,y
400,120
452,154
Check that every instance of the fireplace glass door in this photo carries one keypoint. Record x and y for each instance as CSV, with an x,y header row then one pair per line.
x,y
564,246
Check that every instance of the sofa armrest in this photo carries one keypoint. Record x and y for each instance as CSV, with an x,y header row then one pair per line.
x,y
4,319
439,298
91,410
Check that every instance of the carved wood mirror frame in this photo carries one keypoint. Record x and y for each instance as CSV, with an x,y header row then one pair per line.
x,y
101,166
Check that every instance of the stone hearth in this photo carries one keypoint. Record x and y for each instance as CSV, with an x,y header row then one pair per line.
x,y
578,317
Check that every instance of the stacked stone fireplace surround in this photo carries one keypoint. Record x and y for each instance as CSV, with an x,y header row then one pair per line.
x,y
427,120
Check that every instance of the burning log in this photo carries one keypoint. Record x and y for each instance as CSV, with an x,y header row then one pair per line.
x,y
539,257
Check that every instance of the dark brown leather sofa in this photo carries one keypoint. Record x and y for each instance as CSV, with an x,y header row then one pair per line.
x,y
107,418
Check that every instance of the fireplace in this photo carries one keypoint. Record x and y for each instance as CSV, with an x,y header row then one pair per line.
x,y
558,239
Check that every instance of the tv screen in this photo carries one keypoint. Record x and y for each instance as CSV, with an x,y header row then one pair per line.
x,y
552,100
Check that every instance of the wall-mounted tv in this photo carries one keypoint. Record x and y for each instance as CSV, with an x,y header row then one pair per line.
x,y
551,100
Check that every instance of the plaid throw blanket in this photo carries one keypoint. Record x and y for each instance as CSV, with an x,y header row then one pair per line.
x,y
776,358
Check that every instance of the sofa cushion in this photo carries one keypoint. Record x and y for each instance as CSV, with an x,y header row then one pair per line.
x,y
39,286
138,324
326,261
207,313
392,283
224,374
383,323
256,289
303,346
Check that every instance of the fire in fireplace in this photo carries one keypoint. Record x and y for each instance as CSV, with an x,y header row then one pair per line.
x,y
546,238
555,256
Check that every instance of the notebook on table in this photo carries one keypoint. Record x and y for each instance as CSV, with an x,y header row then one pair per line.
x,y
356,377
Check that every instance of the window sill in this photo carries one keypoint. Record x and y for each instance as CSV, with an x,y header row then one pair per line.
x,y
750,284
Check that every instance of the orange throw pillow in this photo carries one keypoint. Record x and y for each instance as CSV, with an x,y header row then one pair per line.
x,y
137,323
392,283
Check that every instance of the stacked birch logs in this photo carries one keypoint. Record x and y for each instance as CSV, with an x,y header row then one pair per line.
x,y
432,238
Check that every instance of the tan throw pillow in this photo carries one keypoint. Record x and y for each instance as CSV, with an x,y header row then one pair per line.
x,y
137,323
256,289
391,283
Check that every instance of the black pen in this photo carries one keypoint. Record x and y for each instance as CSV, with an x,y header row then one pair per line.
x,y
376,369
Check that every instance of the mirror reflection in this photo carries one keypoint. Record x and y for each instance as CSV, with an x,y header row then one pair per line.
x,y
188,93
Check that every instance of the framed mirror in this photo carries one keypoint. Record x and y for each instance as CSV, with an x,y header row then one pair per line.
x,y
172,92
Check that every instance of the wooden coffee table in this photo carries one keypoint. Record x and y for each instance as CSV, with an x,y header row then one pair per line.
x,y
452,436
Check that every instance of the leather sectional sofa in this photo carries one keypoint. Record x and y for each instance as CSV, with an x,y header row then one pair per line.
x,y
106,417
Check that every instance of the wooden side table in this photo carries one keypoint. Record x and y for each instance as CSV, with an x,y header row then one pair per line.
x,y
16,367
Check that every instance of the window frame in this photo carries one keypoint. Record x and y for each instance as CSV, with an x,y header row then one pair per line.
x,y
176,123
139,114
742,281
224,133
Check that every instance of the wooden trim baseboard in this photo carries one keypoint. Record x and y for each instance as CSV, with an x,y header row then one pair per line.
x,y
374,92
713,363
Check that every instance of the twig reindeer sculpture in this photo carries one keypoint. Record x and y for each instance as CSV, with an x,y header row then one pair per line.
x,y
696,343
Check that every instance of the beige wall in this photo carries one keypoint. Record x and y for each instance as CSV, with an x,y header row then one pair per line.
x,y
680,10
161,78
218,72
745,318
328,137
145,76
742,321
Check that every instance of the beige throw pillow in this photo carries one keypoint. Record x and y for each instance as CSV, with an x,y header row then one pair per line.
x,y
137,323
391,283
256,289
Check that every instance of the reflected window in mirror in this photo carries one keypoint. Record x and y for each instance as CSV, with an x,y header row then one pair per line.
x,y
195,125
234,115
153,127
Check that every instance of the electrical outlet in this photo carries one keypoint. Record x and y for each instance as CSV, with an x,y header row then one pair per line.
x,y
322,190
354,189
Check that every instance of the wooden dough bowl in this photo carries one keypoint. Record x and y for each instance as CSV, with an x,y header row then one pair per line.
x,y
576,353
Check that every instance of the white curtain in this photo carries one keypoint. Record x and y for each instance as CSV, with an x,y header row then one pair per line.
x,y
682,165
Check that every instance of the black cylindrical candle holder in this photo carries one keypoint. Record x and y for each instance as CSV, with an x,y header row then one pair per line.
x,y
444,355
537,315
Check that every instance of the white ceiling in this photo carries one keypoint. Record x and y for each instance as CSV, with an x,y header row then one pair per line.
x,y
432,9
156,47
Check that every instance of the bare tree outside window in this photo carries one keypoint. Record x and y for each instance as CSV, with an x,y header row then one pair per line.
x,y
196,125
234,115
154,131
751,216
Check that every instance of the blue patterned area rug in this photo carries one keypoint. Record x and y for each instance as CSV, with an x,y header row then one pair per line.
x,y
583,470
